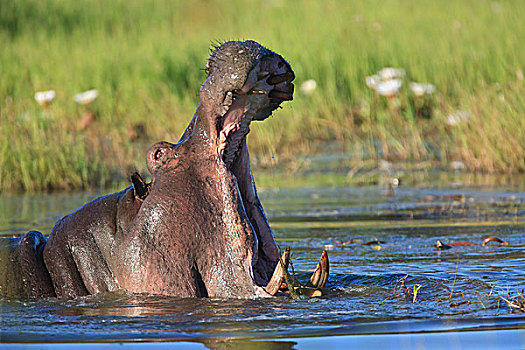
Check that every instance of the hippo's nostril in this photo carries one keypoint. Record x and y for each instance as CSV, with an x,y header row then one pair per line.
x,y
139,185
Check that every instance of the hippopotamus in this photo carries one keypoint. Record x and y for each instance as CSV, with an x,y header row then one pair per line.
x,y
198,229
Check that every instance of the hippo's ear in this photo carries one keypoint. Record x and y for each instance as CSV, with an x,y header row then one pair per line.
x,y
159,155
139,186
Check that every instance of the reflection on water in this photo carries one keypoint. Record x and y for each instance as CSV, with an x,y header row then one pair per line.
x,y
386,278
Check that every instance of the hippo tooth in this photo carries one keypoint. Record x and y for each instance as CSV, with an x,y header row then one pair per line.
x,y
222,143
256,91
222,136
278,275
222,147
226,103
320,275
230,128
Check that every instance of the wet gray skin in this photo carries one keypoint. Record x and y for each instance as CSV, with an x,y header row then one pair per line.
x,y
198,229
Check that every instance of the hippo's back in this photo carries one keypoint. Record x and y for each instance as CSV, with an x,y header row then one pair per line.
x,y
22,270
75,254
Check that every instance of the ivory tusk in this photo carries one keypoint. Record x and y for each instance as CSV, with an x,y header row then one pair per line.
x,y
278,275
320,275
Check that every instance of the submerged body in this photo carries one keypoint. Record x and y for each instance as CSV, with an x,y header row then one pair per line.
x,y
198,229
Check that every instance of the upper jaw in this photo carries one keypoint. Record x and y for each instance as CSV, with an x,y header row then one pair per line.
x,y
268,84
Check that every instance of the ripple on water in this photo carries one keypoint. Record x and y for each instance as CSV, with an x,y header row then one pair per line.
x,y
382,252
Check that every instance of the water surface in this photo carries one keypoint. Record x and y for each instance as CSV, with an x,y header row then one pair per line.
x,y
381,248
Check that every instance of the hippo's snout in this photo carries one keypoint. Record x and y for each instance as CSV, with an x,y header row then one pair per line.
x,y
161,155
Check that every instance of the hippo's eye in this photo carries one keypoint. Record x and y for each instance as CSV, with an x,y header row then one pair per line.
x,y
158,153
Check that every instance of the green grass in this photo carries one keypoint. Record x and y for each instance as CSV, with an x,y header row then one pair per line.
x,y
146,57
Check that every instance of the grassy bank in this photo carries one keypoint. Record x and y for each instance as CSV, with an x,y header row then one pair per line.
x,y
145,59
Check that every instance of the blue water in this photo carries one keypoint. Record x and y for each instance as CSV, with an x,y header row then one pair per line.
x,y
381,249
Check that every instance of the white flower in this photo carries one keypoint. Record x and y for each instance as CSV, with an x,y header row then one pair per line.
x,y
308,87
391,73
86,97
44,98
372,81
459,117
389,88
422,89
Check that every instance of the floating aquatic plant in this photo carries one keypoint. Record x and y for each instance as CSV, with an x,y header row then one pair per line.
x,y
516,302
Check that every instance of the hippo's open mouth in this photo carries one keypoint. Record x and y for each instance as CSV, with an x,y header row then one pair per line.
x,y
198,228
268,84
256,81
245,82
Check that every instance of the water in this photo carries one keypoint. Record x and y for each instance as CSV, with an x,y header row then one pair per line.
x,y
381,249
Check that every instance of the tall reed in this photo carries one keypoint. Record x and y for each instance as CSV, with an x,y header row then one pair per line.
x,y
146,57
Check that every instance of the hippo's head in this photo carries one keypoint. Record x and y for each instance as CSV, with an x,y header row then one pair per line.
x,y
202,231
245,82
198,229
